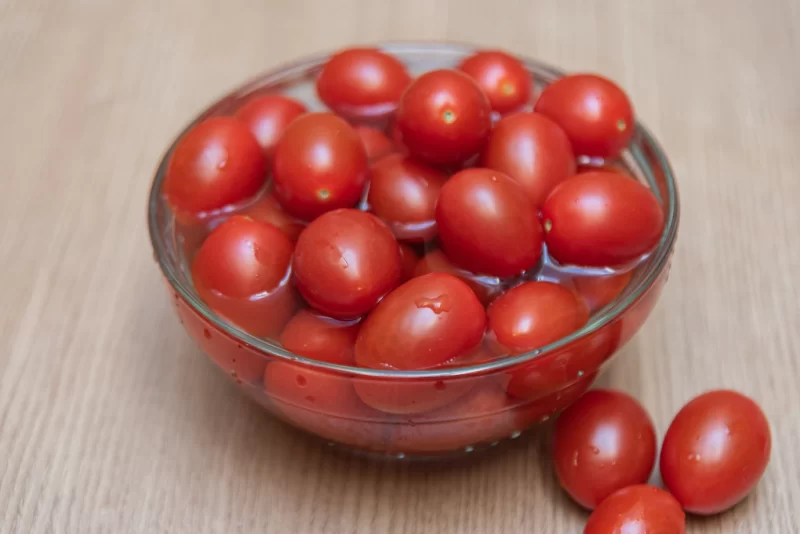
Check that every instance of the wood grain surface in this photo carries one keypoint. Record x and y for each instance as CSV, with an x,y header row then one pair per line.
x,y
112,421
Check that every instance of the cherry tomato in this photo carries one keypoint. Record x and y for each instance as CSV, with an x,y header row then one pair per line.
x,y
487,224
599,291
362,83
410,396
320,165
504,79
268,116
267,209
409,260
216,163
345,262
242,270
603,443
594,111
375,142
607,166
403,193
638,510
715,451
534,314
320,338
533,150
425,322
444,117
435,261
601,219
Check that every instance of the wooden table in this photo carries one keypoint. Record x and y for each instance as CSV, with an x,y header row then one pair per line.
x,y
112,421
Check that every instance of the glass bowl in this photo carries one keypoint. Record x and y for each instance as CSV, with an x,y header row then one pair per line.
x,y
430,413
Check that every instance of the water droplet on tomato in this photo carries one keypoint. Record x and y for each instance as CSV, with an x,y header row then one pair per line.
x,y
440,385
207,333
437,305
575,456
301,381
595,450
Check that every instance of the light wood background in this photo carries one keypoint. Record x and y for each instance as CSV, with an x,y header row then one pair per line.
x,y
112,421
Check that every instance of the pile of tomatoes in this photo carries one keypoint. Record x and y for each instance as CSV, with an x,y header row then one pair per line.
x,y
422,224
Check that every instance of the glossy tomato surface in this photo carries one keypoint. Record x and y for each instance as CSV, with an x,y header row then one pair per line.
x,y
444,117
436,261
715,451
345,262
594,111
376,143
362,83
603,443
268,116
487,224
599,291
403,193
504,79
531,149
216,163
320,164
320,338
601,219
267,209
638,510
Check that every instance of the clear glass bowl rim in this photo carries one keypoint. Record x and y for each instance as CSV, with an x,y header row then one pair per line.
x,y
655,263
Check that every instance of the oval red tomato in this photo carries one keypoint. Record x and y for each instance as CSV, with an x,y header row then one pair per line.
x,y
376,143
531,149
320,338
715,451
320,165
603,443
345,262
594,112
444,117
267,209
268,116
216,163
601,219
362,83
638,509
403,193
504,79
487,224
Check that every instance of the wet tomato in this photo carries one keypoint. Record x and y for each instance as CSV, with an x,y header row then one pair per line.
x,y
638,510
345,262
320,338
242,272
267,209
268,116
601,219
531,149
487,224
599,291
362,83
216,163
320,165
435,261
603,443
715,451
504,79
409,260
375,142
444,117
594,111
403,193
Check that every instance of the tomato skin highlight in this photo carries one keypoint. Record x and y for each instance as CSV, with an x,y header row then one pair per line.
x,y
715,451
601,219
637,510
503,77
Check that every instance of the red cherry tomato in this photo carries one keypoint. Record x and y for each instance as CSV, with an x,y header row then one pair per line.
x,y
531,149
594,111
216,163
320,338
599,291
603,443
607,166
403,193
362,83
504,79
242,270
409,260
345,262
267,209
487,224
268,116
601,219
638,510
534,314
715,451
320,165
375,142
444,117
435,261
426,322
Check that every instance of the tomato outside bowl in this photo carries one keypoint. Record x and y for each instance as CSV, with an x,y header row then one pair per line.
x,y
442,413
